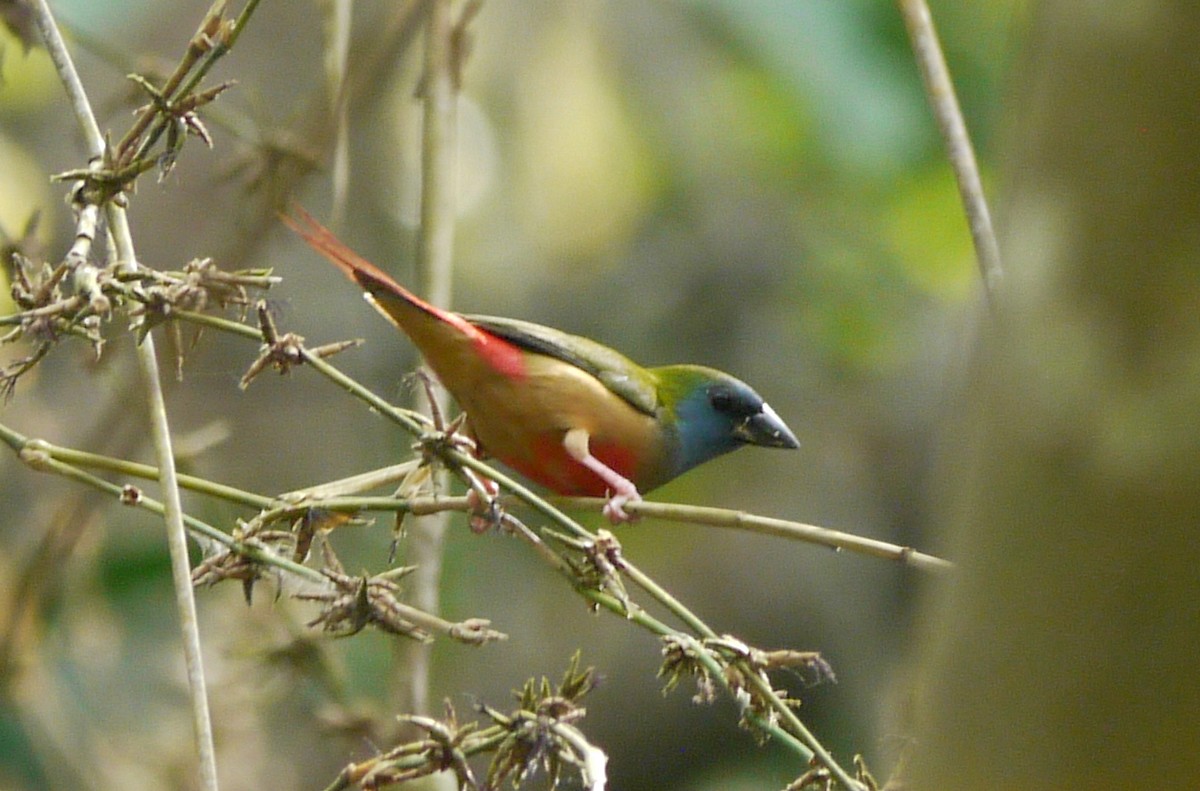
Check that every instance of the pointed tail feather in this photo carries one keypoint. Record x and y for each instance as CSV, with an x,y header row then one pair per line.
x,y
369,277
394,300
354,266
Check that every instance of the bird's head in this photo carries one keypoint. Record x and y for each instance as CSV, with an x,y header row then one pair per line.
x,y
714,413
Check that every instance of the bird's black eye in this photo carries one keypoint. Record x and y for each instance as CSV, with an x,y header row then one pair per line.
x,y
734,402
726,401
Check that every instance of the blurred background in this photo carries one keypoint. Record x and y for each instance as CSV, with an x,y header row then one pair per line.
x,y
756,186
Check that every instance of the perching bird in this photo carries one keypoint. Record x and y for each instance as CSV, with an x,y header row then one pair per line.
x,y
565,411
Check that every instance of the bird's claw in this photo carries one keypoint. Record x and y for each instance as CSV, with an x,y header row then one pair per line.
x,y
614,509
483,504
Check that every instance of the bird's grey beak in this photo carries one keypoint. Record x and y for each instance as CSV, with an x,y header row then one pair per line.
x,y
766,429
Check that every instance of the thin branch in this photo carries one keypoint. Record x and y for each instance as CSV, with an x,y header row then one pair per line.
x,y
337,58
44,457
434,262
196,47
134,469
412,422
940,90
783,528
181,570
214,37
160,431
61,59
333,496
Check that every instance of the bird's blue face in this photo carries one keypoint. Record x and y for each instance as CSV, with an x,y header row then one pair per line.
x,y
720,414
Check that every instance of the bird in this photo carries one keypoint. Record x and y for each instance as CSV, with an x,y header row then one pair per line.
x,y
563,410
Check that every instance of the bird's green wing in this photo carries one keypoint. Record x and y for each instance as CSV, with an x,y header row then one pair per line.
x,y
617,372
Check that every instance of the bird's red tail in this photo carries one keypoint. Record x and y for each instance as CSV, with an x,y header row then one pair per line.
x,y
394,300
354,266
369,277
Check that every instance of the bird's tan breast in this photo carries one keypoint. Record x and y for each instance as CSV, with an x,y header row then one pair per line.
x,y
522,421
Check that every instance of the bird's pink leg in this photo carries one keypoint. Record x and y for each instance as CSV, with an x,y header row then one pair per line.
x,y
621,489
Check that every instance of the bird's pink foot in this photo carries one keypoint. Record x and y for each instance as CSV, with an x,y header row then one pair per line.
x,y
614,509
484,507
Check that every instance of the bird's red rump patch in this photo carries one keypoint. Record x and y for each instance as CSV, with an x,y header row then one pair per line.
x,y
505,358
552,467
